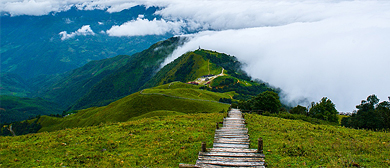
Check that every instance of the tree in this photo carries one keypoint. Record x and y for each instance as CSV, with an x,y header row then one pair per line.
x,y
367,116
299,110
370,114
324,110
244,105
383,109
266,101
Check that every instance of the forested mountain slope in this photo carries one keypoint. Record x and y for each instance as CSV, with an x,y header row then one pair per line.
x,y
130,77
77,83
20,108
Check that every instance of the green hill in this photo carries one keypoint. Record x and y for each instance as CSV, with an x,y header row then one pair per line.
x,y
130,77
14,108
177,98
77,83
90,84
143,72
166,141
196,64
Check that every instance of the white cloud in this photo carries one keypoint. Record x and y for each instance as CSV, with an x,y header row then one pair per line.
x,y
343,55
141,27
29,7
44,7
68,21
83,31
120,7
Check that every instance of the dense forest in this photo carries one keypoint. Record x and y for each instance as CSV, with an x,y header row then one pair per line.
x,y
14,108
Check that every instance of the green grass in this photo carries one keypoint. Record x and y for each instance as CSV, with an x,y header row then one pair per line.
x,y
294,143
217,81
300,117
190,93
175,85
158,113
166,138
149,142
184,100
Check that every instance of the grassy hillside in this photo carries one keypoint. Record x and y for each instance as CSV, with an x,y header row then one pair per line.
x,y
230,63
158,113
294,143
177,98
130,77
77,83
193,65
190,93
14,108
188,67
150,142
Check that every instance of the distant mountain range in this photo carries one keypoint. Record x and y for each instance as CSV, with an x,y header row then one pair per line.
x,y
109,90
33,46
98,82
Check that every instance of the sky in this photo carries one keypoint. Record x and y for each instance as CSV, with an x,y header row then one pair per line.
x,y
309,48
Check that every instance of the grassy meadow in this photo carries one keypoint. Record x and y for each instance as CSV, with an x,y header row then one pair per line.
x,y
296,143
160,141
166,138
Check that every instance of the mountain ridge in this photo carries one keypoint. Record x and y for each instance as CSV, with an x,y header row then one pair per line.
x,y
167,89
130,77
33,45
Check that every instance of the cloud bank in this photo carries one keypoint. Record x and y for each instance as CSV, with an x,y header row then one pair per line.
x,y
44,7
340,52
83,31
141,27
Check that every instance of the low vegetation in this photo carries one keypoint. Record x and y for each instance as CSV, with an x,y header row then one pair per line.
x,y
196,94
167,138
295,143
159,141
